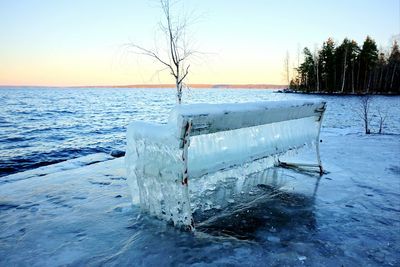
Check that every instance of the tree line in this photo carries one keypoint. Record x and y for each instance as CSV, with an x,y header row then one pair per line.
x,y
349,69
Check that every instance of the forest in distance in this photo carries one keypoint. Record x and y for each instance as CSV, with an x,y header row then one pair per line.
x,y
348,68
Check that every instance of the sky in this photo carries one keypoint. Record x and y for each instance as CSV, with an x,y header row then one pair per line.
x,y
82,43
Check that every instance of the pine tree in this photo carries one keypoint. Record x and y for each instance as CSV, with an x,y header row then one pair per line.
x,y
394,69
327,63
381,72
367,61
349,68
306,72
342,63
346,56
353,52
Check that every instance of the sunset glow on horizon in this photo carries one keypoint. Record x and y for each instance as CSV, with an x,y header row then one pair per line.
x,y
57,43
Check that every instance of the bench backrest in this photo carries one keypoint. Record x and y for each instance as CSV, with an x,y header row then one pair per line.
x,y
212,118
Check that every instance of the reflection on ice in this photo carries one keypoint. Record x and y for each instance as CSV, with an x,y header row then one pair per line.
x,y
241,206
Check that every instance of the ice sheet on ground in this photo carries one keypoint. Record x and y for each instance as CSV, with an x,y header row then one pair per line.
x,y
58,167
84,216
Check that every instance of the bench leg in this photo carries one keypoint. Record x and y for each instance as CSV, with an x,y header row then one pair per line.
x,y
319,162
185,177
321,169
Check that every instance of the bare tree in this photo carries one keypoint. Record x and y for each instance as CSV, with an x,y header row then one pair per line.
x,y
286,69
393,73
316,64
344,69
365,103
175,60
298,54
382,117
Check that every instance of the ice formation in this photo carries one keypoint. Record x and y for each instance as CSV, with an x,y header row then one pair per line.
x,y
223,137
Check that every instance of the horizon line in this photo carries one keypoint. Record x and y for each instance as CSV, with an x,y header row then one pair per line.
x,y
163,85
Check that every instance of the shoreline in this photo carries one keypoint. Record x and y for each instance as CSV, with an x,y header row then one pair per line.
x,y
333,93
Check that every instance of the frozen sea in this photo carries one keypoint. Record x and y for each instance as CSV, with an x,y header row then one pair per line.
x,y
64,200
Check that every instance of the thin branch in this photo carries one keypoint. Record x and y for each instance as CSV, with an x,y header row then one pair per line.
x,y
153,55
157,73
186,73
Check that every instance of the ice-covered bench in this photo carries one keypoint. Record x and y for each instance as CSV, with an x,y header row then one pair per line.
x,y
200,139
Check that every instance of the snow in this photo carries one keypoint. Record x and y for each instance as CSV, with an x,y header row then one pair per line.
x,y
154,157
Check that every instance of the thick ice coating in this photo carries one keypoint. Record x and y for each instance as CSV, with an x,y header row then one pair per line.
x,y
222,136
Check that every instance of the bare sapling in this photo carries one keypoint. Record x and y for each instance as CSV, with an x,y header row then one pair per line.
x,y
364,112
286,69
316,64
382,117
176,52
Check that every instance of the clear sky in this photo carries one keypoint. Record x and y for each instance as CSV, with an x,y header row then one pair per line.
x,y
67,43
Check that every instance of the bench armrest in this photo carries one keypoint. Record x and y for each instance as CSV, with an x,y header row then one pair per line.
x,y
153,132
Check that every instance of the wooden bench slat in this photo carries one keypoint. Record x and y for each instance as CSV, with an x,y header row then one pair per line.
x,y
235,116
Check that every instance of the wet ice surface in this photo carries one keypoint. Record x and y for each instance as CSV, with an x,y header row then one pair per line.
x,y
84,216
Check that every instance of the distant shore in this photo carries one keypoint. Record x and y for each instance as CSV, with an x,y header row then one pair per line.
x,y
166,86
290,91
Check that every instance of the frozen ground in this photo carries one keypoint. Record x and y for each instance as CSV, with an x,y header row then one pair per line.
x,y
80,213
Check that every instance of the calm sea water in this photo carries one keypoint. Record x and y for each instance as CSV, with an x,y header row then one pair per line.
x,y
41,126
